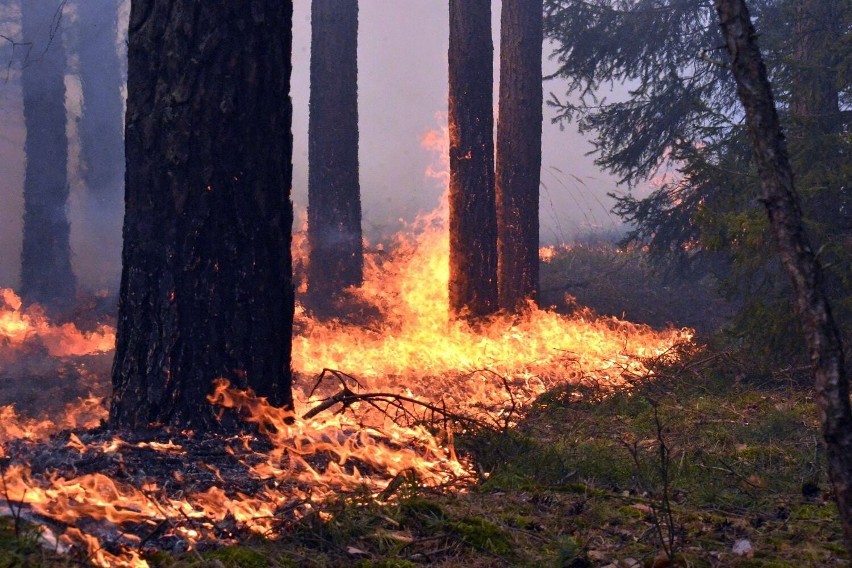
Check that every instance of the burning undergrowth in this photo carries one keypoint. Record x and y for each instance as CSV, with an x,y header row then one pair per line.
x,y
406,379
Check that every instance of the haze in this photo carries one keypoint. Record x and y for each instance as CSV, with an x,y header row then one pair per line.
x,y
402,62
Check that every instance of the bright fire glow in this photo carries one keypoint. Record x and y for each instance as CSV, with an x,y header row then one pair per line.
x,y
20,326
413,348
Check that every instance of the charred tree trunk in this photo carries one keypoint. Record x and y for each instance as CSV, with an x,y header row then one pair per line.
x,y
519,151
101,136
473,216
46,273
206,289
785,217
334,193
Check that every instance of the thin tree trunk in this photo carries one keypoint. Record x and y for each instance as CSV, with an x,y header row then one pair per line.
x,y
816,119
101,127
206,288
46,274
519,151
473,216
814,99
334,194
785,217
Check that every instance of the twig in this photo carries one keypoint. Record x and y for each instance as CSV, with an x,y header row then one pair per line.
x,y
346,397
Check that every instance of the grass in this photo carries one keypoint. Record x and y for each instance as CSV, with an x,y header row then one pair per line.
x,y
578,484
624,283
583,481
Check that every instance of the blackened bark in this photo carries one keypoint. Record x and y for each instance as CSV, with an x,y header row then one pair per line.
x,y
785,217
334,193
46,274
519,151
473,216
101,126
206,289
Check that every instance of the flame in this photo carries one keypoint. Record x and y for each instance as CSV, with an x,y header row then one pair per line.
x,y
416,347
85,413
412,348
20,326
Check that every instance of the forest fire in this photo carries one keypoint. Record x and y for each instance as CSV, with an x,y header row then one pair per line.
x,y
415,340
408,361
22,327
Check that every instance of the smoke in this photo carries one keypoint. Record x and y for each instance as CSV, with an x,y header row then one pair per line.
x,y
95,214
402,85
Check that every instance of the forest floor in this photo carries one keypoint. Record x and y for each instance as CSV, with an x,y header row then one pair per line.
x,y
710,464
582,481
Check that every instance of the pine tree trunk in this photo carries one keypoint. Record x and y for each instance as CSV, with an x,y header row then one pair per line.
x,y
206,288
785,217
519,151
101,126
46,274
334,193
473,216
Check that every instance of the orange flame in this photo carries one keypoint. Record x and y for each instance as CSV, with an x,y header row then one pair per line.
x,y
19,326
415,349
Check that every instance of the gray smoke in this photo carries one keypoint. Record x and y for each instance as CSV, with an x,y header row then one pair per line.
x,y
402,86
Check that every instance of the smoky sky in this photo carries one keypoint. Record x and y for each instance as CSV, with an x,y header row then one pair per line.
x,y
402,59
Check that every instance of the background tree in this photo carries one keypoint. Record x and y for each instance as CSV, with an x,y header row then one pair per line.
x,y
46,273
473,218
680,124
801,264
101,126
334,194
518,151
206,289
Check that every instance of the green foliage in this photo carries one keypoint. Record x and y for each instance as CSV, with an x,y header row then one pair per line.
x,y
681,124
21,546
482,535
568,552
622,282
238,556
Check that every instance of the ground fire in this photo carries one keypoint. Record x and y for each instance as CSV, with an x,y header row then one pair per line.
x,y
396,380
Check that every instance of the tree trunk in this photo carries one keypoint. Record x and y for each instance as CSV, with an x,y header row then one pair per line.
x,y
46,274
101,136
785,217
817,150
473,216
334,194
814,100
206,289
519,151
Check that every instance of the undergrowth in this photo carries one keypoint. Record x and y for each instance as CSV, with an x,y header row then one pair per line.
x,y
712,462
580,482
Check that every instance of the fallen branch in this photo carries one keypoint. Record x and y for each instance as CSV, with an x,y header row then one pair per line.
x,y
346,397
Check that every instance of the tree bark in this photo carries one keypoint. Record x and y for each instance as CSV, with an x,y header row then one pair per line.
x,y
814,102
206,289
46,273
473,217
816,146
334,194
101,136
800,263
519,151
